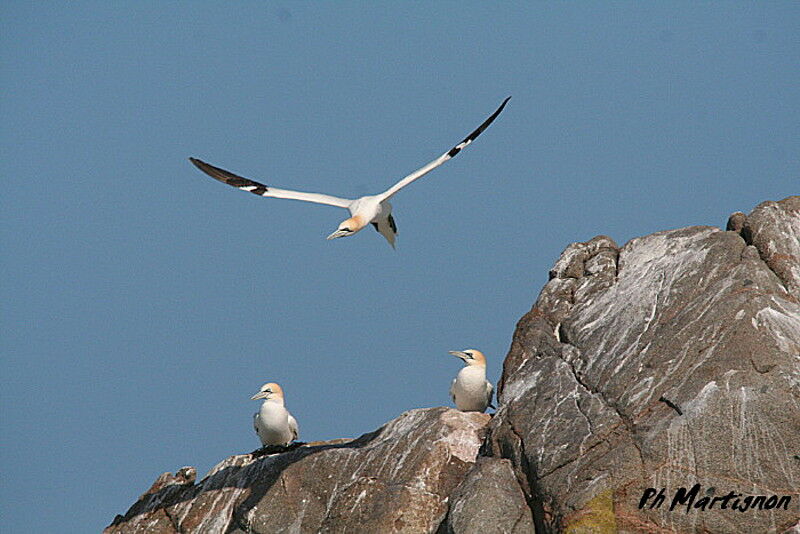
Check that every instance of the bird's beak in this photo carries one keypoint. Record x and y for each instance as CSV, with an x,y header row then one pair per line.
x,y
459,354
259,395
337,233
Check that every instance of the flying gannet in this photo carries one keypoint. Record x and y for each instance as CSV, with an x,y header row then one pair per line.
x,y
273,423
470,391
372,209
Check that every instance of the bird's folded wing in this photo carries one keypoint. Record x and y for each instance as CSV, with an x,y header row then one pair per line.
x,y
489,391
452,390
293,426
419,173
259,189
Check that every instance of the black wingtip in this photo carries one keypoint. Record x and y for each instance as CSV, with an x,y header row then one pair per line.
x,y
205,167
479,130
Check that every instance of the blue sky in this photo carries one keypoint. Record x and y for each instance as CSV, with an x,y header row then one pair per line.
x,y
144,303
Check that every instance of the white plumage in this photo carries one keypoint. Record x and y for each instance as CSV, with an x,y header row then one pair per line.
x,y
373,209
273,423
470,390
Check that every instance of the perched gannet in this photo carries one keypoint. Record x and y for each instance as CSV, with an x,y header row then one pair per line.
x,y
373,209
470,391
273,423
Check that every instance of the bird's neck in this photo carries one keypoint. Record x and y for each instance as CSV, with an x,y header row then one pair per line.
x,y
276,401
356,223
473,372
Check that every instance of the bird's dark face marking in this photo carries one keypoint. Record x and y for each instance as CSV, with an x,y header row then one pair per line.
x,y
346,228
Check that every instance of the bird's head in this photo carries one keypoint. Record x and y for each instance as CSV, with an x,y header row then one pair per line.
x,y
269,391
470,356
348,227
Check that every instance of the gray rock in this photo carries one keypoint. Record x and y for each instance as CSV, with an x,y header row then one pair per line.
x,y
668,362
396,479
773,228
489,501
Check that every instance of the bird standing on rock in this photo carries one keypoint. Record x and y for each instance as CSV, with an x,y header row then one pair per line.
x,y
372,209
470,391
273,422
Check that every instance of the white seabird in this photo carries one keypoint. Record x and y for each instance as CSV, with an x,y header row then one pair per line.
x,y
273,422
372,209
470,391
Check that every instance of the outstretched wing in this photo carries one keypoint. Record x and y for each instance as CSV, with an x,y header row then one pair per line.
x,y
262,190
419,173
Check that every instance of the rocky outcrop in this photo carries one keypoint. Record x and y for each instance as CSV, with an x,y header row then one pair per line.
x,y
396,479
670,362
773,228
